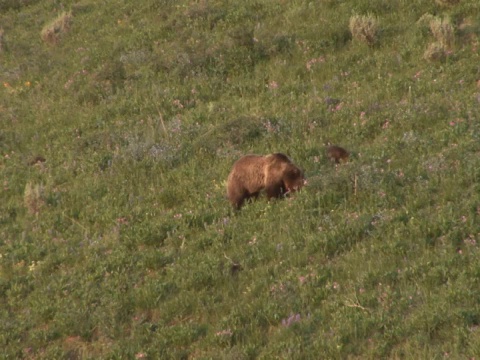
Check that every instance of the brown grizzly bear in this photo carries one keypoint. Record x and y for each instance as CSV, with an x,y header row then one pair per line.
x,y
275,173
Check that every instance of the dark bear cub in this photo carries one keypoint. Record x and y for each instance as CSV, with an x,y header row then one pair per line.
x,y
337,154
274,173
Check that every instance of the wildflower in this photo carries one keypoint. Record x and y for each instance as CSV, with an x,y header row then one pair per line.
x,y
140,355
27,83
336,108
310,62
271,128
177,216
291,320
469,241
32,266
177,103
354,215
6,84
277,288
272,85
68,83
226,332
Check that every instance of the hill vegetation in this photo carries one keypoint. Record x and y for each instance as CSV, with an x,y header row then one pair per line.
x,y
120,121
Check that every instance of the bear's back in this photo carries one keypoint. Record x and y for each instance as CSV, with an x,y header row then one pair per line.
x,y
249,171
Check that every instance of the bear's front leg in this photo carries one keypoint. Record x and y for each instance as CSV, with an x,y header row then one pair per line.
x,y
274,191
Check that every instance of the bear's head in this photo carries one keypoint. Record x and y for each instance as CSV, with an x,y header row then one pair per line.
x,y
293,179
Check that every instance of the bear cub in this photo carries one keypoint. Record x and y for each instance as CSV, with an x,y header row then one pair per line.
x,y
337,154
274,173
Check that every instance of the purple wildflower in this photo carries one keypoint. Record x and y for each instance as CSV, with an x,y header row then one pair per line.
x,y
291,319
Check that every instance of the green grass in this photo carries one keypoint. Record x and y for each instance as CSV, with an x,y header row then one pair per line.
x,y
122,243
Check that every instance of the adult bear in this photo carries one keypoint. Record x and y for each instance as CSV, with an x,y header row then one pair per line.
x,y
274,173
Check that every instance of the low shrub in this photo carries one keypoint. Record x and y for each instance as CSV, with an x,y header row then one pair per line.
x,y
364,28
52,32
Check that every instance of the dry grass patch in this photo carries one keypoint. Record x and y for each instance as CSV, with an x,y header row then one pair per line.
x,y
435,52
34,197
425,19
443,32
52,32
364,28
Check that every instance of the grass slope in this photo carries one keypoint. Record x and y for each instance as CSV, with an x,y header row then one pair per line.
x,y
120,121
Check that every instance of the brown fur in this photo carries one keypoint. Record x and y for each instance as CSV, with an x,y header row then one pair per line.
x,y
274,173
337,154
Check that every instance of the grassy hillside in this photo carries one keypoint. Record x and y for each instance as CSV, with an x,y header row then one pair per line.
x,y
120,121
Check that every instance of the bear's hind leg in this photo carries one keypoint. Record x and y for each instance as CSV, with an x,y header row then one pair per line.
x,y
237,197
